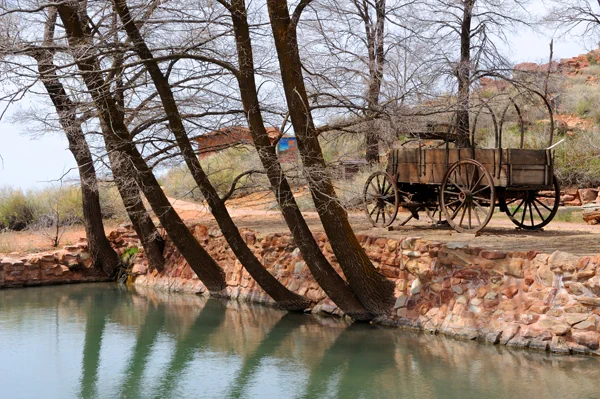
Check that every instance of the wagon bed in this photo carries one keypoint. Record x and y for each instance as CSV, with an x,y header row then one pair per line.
x,y
462,187
509,168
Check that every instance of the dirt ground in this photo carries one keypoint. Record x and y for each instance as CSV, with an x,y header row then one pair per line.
x,y
256,212
574,237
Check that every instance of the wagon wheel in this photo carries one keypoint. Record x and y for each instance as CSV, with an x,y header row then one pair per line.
x,y
405,201
468,196
435,214
533,209
381,199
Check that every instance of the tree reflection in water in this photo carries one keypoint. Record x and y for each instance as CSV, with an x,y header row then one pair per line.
x,y
153,344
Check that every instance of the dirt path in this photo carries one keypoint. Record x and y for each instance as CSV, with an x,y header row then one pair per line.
x,y
501,234
258,213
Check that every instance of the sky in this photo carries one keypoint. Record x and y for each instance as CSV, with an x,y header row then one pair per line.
x,y
33,163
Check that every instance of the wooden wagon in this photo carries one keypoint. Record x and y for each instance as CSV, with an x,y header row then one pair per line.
x,y
464,185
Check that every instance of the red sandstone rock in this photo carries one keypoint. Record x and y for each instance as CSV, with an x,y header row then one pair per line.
x,y
588,195
589,339
511,291
493,255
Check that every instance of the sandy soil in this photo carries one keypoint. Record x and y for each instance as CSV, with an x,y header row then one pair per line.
x,y
257,212
501,233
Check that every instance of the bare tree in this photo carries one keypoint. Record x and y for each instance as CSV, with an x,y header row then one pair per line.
x,y
580,17
119,143
102,253
283,297
373,290
333,285
464,35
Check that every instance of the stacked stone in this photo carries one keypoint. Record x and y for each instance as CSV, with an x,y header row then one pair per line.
x,y
518,299
69,265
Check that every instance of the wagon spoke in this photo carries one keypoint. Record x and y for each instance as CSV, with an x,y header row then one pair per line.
x,y
524,213
456,185
387,190
460,175
481,199
518,207
480,190
457,210
470,226
538,211
372,186
478,205
374,209
476,214
449,205
378,212
531,214
478,181
462,217
472,180
512,201
542,204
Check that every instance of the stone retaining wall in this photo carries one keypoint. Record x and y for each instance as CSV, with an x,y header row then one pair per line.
x,y
518,299
71,264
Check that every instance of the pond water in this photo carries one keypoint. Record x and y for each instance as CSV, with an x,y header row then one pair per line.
x,y
102,341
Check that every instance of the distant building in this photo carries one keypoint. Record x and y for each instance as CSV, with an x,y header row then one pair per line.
x,y
233,136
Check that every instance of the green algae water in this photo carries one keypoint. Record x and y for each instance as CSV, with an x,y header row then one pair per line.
x,y
102,341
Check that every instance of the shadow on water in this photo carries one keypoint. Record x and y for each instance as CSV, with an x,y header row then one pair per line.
x,y
168,340
147,336
282,330
97,302
353,364
206,324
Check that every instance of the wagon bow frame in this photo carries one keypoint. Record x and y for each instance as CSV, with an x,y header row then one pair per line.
x,y
465,185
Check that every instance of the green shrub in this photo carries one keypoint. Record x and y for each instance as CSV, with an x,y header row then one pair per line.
x,y
577,161
17,210
111,203
58,204
45,207
222,168
583,106
580,99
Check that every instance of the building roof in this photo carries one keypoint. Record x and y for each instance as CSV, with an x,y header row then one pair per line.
x,y
227,137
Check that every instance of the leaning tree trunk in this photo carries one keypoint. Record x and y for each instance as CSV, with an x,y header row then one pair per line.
x,y
375,47
333,285
102,254
282,296
119,142
374,291
142,223
463,74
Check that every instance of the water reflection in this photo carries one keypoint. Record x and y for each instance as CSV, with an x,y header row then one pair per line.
x,y
97,341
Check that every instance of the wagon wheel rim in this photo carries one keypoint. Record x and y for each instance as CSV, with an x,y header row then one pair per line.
x,y
405,201
380,199
468,196
435,213
533,209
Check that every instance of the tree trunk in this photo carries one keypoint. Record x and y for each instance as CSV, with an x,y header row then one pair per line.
x,y
463,74
375,47
374,291
333,285
142,223
119,142
284,297
102,254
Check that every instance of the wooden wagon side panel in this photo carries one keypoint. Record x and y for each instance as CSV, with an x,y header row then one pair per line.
x,y
530,167
437,161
